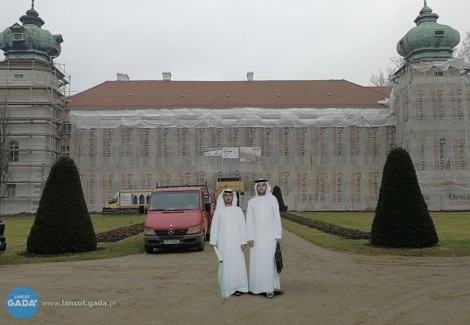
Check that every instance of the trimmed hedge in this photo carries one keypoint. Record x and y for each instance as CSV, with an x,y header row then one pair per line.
x,y
278,194
120,233
62,223
327,227
401,218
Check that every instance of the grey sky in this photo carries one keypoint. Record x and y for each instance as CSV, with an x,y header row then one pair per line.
x,y
224,39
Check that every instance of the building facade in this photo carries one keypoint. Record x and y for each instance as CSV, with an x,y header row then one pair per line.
x,y
323,142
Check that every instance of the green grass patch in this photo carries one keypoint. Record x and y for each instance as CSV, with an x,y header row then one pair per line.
x,y
17,229
453,229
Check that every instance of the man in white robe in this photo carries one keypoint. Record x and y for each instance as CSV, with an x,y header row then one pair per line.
x,y
228,235
264,230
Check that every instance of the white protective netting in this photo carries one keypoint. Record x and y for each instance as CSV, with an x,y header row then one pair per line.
x,y
322,159
431,103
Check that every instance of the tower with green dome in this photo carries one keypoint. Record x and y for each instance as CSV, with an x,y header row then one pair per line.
x,y
33,89
431,102
428,40
29,41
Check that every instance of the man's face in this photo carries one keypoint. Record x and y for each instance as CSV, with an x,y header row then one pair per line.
x,y
261,188
228,198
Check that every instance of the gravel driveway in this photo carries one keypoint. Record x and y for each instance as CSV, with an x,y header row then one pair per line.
x,y
319,287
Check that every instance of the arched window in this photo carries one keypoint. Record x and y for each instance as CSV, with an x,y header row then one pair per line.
x,y
14,151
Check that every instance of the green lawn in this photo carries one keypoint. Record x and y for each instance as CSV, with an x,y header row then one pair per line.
x,y
17,230
453,229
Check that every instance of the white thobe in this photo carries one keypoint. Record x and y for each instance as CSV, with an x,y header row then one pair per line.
x,y
263,223
228,233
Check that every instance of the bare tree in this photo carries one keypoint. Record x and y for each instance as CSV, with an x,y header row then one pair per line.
x,y
463,50
4,149
383,78
380,79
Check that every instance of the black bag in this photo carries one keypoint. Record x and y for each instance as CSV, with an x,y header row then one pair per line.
x,y
278,258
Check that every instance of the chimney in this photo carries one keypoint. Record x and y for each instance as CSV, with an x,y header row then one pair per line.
x,y
249,76
122,77
166,76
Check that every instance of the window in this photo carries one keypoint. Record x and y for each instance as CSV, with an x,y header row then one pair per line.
x,y
439,33
66,127
18,37
66,150
14,151
174,200
10,190
19,75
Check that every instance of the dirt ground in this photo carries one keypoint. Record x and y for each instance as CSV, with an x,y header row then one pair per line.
x,y
318,287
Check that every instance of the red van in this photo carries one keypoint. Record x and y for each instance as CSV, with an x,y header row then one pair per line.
x,y
178,216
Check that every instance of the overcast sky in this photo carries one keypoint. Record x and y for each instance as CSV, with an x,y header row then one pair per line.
x,y
224,39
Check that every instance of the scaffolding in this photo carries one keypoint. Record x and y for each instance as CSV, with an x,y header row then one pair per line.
x,y
33,94
431,102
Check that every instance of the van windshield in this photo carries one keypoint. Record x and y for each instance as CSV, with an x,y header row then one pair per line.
x,y
172,201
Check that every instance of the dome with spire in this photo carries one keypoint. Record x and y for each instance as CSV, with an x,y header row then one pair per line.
x,y
428,40
29,41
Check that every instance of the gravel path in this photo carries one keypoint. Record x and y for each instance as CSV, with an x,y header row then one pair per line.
x,y
319,287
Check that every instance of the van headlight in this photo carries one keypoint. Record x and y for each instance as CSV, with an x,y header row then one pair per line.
x,y
149,232
194,230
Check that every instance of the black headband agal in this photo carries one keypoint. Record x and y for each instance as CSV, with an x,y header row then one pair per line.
x,y
261,180
228,192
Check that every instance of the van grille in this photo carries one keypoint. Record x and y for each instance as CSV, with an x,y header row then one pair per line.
x,y
164,233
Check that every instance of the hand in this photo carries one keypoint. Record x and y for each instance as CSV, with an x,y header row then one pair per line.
x,y
243,247
251,243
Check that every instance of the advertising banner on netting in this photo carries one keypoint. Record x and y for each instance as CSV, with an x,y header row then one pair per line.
x,y
324,168
433,124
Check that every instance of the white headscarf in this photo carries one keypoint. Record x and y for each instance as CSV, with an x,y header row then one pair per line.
x,y
221,202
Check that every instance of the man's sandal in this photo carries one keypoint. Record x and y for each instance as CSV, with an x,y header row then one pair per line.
x,y
270,294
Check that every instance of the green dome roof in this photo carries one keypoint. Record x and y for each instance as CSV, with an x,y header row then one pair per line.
x,y
428,40
30,41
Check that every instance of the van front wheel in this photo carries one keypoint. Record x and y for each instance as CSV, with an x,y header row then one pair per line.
x,y
200,246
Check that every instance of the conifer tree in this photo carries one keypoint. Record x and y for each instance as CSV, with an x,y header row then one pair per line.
x,y
62,223
278,194
401,218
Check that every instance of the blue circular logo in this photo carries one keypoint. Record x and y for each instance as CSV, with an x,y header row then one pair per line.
x,y
22,303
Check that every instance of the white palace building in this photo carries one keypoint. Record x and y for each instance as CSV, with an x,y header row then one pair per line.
x,y
323,142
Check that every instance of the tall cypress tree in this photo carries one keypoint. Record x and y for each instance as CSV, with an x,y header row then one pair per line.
x,y
62,223
278,194
401,218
